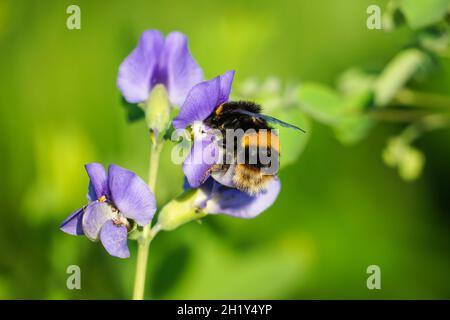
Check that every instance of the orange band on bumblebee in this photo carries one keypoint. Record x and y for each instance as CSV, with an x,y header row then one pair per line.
x,y
262,139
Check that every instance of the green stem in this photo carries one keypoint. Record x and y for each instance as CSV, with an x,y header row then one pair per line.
x,y
429,123
141,270
420,105
392,115
422,99
147,234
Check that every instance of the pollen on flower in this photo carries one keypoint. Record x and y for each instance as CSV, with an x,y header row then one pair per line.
x,y
120,220
102,199
219,109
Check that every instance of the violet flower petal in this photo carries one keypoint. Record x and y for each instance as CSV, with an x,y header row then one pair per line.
x,y
95,216
182,71
98,182
226,81
225,177
131,195
114,239
74,223
137,71
203,99
204,154
239,204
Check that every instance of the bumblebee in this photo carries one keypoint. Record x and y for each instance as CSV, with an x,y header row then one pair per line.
x,y
250,171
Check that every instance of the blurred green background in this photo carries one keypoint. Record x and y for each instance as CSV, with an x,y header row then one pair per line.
x,y
340,210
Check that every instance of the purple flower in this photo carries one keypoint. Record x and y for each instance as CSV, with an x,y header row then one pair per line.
x,y
116,201
219,193
216,198
201,101
159,60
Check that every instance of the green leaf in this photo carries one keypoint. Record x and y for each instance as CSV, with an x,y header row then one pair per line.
x,y
353,129
435,39
345,114
355,81
293,142
354,125
397,73
320,102
358,102
392,16
422,13
271,93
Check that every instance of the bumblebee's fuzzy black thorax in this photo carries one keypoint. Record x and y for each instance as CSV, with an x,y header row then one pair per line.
x,y
226,117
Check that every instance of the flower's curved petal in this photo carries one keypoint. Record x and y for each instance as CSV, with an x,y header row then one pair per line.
x,y
203,99
95,216
131,195
208,188
137,71
182,71
226,81
204,154
114,239
225,177
239,204
73,223
98,182
199,103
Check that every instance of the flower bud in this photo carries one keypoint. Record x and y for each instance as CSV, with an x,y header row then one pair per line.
x,y
181,210
157,111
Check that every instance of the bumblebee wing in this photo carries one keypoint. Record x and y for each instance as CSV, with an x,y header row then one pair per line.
x,y
270,119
